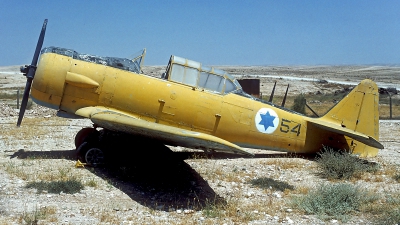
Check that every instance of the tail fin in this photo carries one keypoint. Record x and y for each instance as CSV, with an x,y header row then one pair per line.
x,y
358,111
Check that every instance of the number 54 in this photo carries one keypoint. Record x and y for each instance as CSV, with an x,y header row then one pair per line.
x,y
286,127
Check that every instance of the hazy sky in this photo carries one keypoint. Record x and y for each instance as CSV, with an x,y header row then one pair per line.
x,y
213,32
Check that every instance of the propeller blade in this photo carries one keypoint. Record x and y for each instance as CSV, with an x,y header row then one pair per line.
x,y
31,73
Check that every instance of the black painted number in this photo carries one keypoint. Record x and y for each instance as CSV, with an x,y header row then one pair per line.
x,y
286,125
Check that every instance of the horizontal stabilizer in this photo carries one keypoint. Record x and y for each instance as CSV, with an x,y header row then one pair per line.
x,y
368,140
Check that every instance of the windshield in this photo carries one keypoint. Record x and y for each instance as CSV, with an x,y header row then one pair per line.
x,y
207,78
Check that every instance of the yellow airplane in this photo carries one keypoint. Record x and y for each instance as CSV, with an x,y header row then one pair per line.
x,y
191,105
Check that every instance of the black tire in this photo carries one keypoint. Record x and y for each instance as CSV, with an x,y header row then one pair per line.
x,y
94,157
81,136
81,151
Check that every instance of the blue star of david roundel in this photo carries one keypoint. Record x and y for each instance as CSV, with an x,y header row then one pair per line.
x,y
266,120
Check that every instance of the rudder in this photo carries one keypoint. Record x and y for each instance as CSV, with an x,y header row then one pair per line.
x,y
358,111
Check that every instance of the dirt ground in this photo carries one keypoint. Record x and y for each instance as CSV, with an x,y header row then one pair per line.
x,y
173,185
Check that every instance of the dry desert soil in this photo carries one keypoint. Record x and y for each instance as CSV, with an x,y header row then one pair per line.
x,y
175,185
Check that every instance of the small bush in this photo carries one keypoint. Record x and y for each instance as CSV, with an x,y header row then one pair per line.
x,y
391,217
333,201
299,104
69,186
397,177
213,209
33,217
342,165
91,183
267,183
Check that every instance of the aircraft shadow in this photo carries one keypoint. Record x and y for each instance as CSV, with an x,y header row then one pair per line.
x,y
55,154
165,184
156,178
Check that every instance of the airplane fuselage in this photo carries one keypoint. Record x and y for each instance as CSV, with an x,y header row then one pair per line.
x,y
70,85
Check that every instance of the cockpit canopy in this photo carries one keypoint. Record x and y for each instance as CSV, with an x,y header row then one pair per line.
x,y
192,73
132,65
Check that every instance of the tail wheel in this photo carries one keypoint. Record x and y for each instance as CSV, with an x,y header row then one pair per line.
x,y
94,157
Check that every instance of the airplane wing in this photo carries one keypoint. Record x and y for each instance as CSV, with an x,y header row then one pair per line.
x,y
368,140
119,121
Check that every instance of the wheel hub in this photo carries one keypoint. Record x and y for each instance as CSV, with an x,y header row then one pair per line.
x,y
94,156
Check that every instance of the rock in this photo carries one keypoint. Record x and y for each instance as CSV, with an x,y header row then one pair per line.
x,y
179,211
188,211
289,221
277,195
249,194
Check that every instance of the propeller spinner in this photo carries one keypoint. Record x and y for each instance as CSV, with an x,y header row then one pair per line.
x,y
29,72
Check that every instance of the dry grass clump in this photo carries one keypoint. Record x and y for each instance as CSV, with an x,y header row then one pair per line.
x,y
334,201
342,165
92,183
108,217
386,210
287,163
32,218
32,131
23,170
18,170
382,174
269,183
237,211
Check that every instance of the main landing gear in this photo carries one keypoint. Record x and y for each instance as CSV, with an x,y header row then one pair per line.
x,y
95,147
88,145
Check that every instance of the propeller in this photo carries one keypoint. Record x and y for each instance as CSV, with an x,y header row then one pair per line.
x,y
29,72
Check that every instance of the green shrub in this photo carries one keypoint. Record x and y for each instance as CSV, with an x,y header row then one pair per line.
x,y
299,104
390,217
267,183
342,164
397,177
69,186
333,201
213,209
